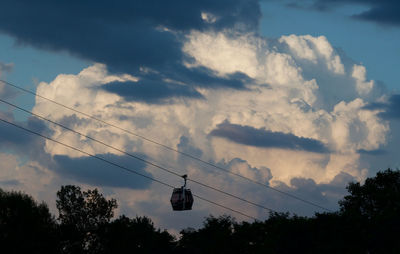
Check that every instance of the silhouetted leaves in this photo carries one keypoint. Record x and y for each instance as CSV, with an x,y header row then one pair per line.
x,y
83,215
214,237
374,209
378,197
368,222
25,225
137,235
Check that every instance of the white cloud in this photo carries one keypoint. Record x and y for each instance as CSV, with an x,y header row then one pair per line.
x,y
208,17
83,93
223,54
30,177
314,49
309,94
363,86
300,86
284,97
354,128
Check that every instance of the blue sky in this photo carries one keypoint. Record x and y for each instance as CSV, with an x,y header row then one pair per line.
x,y
374,45
301,96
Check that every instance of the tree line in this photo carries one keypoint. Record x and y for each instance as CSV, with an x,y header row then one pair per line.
x,y
367,222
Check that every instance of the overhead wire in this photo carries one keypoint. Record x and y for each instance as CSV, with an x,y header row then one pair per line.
x,y
124,168
135,156
170,148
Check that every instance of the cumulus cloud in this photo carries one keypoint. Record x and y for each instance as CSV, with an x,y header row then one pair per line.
x,y
19,173
315,50
300,113
303,107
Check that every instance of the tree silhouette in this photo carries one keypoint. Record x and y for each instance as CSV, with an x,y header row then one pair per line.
x,y
214,237
138,235
378,197
368,222
25,225
82,216
374,209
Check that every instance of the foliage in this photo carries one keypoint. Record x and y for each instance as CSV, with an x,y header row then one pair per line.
x,y
214,237
83,215
378,197
374,209
137,235
84,210
367,222
25,225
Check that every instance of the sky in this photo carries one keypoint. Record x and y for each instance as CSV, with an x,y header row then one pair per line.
x,y
296,96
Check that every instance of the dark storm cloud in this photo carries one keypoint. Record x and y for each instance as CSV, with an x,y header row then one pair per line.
x,y
129,34
10,135
152,88
375,152
15,138
123,34
390,109
93,171
151,91
385,12
251,136
204,77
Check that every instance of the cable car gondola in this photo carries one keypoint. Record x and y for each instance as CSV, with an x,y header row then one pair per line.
x,y
182,198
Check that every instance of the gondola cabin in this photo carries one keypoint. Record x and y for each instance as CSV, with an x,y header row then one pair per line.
x,y
182,198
